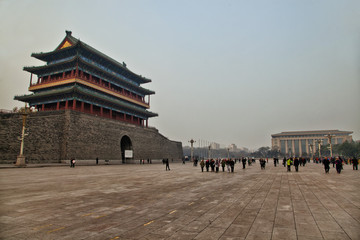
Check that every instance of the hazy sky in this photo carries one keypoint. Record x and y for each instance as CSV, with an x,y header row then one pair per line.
x,y
223,71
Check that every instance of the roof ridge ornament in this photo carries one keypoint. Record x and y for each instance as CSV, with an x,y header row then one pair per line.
x,y
68,33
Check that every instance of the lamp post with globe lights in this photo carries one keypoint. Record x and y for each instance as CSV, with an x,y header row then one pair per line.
x,y
329,138
192,150
20,160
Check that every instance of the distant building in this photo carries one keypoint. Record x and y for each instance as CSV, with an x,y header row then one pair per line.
x,y
232,147
215,146
302,143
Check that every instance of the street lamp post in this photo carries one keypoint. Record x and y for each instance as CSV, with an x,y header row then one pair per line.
x,y
318,141
228,152
209,151
20,160
311,150
330,137
290,153
192,149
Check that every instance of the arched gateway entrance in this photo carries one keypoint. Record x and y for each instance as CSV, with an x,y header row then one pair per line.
x,y
125,144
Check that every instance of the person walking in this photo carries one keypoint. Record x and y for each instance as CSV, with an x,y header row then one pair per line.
x,y
97,161
223,162
167,164
296,164
228,165
338,164
326,163
262,163
72,162
243,162
207,165
288,163
232,165
355,163
275,161
212,165
202,164
217,165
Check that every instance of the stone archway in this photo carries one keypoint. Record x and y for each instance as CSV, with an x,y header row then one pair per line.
x,y
125,144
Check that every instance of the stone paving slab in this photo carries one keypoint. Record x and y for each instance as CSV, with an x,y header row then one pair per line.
x,y
146,202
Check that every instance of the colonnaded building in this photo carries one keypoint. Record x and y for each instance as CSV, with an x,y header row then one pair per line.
x,y
86,105
303,143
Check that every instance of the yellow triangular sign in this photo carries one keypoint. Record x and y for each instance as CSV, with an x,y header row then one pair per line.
x,y
66,44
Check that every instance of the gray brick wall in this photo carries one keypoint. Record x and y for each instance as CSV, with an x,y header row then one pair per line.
x,y
60,135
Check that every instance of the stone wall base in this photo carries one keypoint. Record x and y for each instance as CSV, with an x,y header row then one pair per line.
x,y
54,136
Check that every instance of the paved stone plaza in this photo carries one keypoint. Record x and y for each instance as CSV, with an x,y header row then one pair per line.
x,y
146,202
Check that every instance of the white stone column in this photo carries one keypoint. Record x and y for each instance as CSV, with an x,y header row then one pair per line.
x,y
307,146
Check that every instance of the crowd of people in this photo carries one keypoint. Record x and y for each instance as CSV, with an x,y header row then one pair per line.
x,y
228,165
214,164
338,163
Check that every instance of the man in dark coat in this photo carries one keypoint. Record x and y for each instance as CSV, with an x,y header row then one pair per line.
x,y
296,164
167,164
207,165
326,163
355,163
338,164
232,165
243,162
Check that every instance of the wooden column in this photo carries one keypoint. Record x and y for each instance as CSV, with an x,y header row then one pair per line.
x,y
43,107
77,71
30,79
63,75
91,109
66,104
101,111
111,113
82,106
57,105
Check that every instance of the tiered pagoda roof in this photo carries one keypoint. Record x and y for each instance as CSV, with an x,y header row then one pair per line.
x,y
71,46
60,66
76,73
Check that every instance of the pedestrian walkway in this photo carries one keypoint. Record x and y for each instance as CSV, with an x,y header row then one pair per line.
x,y
136,201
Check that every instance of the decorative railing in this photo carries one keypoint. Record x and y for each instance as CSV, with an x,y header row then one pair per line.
x,y
107,86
